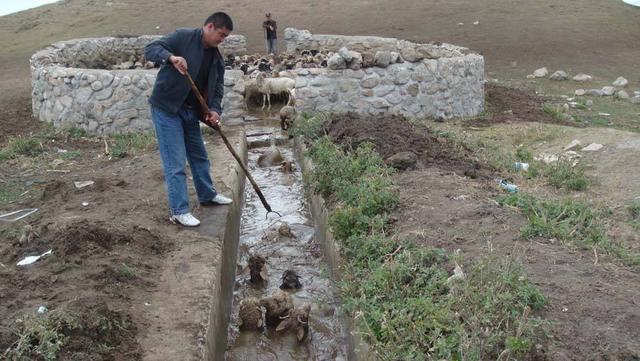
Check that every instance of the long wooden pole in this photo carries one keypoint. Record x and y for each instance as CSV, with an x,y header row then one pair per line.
x,y
205,109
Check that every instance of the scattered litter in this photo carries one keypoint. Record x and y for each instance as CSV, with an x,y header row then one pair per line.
x,y
157,27
460,24
58,170
518,166
62,150
458,274
604,114
569,155
547,158
461,197
42,310
17,215
574,143
2,265
31,259
56,162
476,22
147,304
593,147
509,187
565,309
84,204
82,184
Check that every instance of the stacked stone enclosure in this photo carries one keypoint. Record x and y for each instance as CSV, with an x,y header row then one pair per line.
x,y
73,85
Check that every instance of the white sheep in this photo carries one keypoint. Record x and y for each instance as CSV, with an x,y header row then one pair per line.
x,y
268,86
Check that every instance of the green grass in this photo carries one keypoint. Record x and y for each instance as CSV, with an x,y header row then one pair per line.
x,y
634,214
128,144
127,272
574,223
397,291
76,133
563,174
42,336
21,146
309,127
9,192
553,110
70,154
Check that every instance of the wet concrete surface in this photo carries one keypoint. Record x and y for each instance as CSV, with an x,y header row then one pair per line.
x,y
259,236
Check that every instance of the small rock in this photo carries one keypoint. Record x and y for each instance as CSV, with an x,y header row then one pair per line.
x,y
559,75
593,147
402,160
589,103
531,76
345,54
608,90
540,73
574,144
96,85
580,92
620,82
336,62
635,99
621,94
382,59
582,77
593,92
636,92
566,106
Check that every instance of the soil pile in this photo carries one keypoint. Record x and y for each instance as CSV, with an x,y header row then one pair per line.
x,y
395,139
506,105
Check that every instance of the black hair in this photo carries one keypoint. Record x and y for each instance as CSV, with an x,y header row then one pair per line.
x,y
220,20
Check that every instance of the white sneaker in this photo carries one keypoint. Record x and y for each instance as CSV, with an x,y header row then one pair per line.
x,y
219,199
187,220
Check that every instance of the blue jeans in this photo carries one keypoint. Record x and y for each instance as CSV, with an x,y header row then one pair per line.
x,y
272,46
179,137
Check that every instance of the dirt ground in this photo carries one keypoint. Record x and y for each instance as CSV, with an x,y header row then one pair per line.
x,y
593,306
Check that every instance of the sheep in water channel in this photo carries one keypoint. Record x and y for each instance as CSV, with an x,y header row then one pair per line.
x,y
271,156
297,321
251,314
276,307
290,279
257,269
268,86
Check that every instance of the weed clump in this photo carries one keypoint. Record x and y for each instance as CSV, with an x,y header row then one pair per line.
x,y
127,144
572,222
399,293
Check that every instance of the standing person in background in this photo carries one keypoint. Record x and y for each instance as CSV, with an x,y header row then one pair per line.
x,y
270,27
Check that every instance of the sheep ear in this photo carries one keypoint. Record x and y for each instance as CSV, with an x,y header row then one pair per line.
x,y
282,326
260,322
263,272
300,334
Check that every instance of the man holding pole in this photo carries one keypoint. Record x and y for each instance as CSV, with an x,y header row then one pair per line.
x,y
176,112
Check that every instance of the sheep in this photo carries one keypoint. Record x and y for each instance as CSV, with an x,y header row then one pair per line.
x,y
277,307
268,86
297,321
290,279
287,114
257,269
251,314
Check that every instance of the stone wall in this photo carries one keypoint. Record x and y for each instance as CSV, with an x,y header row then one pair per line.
x,y
417,80
73,85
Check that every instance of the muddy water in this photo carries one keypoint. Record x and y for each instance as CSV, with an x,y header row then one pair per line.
x,y
259,235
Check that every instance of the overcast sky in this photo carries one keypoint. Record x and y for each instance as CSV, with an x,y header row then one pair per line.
x,y
11,6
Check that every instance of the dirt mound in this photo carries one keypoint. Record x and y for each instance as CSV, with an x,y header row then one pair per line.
x,y
394,138
506,105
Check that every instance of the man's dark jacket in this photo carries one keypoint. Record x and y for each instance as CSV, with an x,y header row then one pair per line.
x,y
172,88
